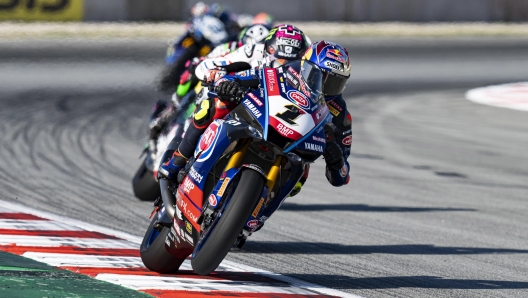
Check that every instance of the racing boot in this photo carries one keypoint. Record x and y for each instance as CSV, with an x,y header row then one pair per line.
x,y
172,168
296,189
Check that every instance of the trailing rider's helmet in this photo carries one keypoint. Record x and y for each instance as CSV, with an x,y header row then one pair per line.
x,y
333,60
253,34
285,41
263,19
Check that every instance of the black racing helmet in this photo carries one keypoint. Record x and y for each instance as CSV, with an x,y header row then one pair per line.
x,y
286,41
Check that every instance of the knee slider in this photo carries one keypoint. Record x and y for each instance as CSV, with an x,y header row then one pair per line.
x,y
204,112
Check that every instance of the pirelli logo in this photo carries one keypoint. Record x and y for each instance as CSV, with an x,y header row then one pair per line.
x,y
257,209
223,187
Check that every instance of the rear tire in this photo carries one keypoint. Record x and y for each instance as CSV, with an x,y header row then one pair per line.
x,y
145,186
228,227
153,253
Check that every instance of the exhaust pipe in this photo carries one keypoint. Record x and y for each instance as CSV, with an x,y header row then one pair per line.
x,y
168,198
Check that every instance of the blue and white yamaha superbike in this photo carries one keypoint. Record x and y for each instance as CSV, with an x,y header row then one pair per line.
x,y
244,167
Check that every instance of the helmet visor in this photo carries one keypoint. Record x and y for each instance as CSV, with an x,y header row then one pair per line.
x,y
334,84
305,77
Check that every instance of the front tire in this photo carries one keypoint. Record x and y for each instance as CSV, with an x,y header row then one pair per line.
x,y
145,186
208,256
153,253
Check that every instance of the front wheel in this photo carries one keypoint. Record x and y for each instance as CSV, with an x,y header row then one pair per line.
x,y
144,185
153,253
207,256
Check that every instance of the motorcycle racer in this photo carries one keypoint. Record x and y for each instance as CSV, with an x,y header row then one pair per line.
x,y
334,63
209,27
164,111
284,42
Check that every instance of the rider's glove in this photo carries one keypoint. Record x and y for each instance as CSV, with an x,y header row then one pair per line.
x,y
170,169
333,156
296,189
212,75
229,91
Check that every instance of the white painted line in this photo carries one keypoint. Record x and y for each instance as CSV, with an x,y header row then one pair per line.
x,y
35,225
512,96
73,260
64,241
138,282
131,241
293,281
12,207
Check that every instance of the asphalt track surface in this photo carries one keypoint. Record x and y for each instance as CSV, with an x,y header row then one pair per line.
x,y
438,201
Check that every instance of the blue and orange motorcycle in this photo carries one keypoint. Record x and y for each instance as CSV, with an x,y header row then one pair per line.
x,y
243,168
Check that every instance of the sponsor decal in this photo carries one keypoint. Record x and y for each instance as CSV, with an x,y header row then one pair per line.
x,y
255,99
343,171
189,239
292,80
254,110
257,209
283,88
347,132
271,81
280,70
347,141
281,41
224,174
319,139
188,185
171,237
333,111
335,105
31,10
334,65
188,227
284,130
256,168
167,242
179,215
208,136
299,79
223,187
285,54
175,234
194,174
186,211
299,98
313,147
212,200
232,122
253,223
333,55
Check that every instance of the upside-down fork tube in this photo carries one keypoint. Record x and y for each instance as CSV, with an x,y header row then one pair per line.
x,y
273,173
236,158
168,198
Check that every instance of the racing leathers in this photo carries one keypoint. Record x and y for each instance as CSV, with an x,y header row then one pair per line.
x,y
164,110
338,132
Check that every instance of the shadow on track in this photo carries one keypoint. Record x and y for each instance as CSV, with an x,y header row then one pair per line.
x,y
272,247
424,282
362,208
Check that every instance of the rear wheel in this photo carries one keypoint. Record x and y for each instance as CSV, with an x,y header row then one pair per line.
x,y
145,186
214,246
153,252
